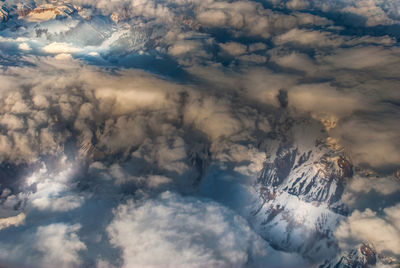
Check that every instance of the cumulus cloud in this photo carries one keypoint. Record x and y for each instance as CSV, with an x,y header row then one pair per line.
x,y
382,231
212,117
297,4
52,188
371,13
309,38
59,48
43,246
12,221
183,47
370,190
373,142
24,46
322,99
59,244
383,185
183,231
364,58
298,61
235,79
234,48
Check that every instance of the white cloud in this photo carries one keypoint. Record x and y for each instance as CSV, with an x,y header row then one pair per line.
x,y
297,61
60,245
12,221
364,57
371,12
213,17
310,38
382,231
234,48
60,48
257,47
140,123
185,232
371,140
383,185
322,99
63,57
12,122
183,47
40,101
359,186
297,4
131,90
157,181
53,188
214,118
24,46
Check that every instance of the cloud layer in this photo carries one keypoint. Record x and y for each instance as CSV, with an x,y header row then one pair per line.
x,y
185,232
120,120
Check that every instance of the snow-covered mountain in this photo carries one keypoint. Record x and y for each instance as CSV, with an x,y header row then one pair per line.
x,y
59,22
300,187
44,12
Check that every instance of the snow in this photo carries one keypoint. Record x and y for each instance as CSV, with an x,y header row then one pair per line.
x,y
44,13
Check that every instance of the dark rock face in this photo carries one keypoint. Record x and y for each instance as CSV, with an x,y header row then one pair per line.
x,y
3,13
300,174
397,174
283,98
300,190
274,174
346,166
363,257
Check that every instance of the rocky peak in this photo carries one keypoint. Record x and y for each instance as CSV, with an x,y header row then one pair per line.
x,y
364,256
44,12
314,175
300,189
3,13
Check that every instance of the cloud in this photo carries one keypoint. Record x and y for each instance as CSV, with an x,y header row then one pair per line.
x,y
364,58
43,246
183,47
370,190
308,38
234,48
60,48
212,117
245,78
52,188
12,221
297,4
59,244
371,139
294,60
385,185
322,99
382,231
372,12
184,231
24,46
247,18
213,17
